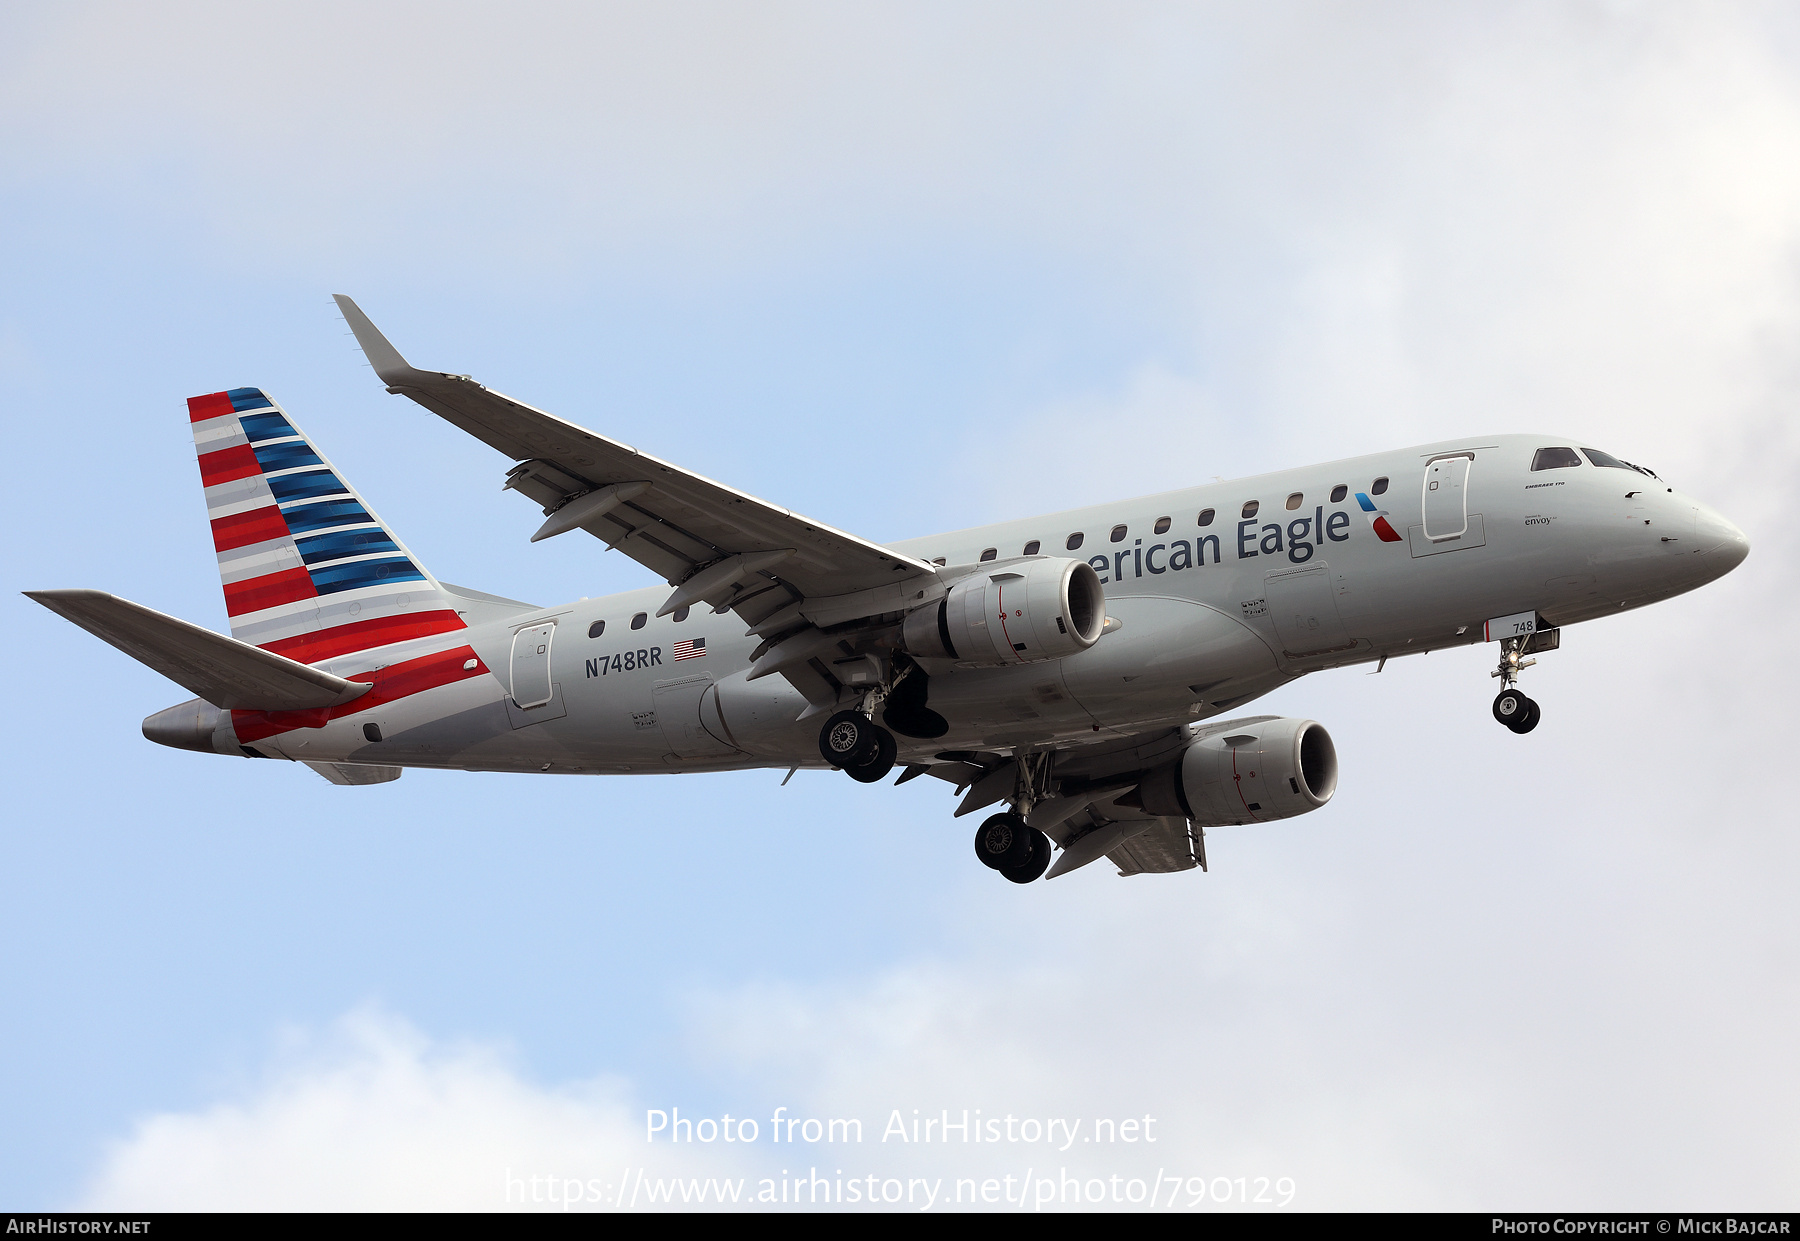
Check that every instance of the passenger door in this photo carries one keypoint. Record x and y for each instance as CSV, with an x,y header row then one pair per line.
x,y
531,665
1446,497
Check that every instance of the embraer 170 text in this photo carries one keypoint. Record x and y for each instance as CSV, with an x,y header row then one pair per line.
x,y
1070,667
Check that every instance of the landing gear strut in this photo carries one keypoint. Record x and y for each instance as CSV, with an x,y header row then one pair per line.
x,y
851,741
1006,842
1511,707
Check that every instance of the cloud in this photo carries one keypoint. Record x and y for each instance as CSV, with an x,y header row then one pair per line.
x,y
371,1115
1370,231
381,1118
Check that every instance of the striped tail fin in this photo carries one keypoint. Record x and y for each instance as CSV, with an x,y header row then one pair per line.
x,y
309,571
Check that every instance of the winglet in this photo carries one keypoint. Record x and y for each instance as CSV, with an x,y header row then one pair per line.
x,y
386,359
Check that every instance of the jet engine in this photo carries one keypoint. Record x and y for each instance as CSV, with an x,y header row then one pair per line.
x,y
1012,612
1246,771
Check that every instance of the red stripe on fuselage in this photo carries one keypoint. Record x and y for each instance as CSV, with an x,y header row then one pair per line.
x,y
1385,531
212,405
271,590
392,683
259,525
228,465
310,648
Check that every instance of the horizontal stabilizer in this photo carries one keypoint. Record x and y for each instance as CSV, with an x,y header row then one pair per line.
x,y
356,773
223,671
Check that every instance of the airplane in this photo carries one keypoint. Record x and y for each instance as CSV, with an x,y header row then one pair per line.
x,y
1073,667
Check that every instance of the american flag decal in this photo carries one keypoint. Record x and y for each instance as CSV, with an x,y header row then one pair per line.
x,y
690,648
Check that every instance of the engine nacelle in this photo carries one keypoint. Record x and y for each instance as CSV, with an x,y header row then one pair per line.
x,y
1012,612
1246,771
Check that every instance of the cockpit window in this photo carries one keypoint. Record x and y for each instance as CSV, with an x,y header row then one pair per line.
x,y
1606,460
1554,459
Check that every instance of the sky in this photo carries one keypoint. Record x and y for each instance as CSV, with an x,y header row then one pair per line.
x,y
904,268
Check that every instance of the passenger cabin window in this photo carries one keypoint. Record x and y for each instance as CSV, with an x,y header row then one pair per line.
x,y
680,615
1206,516
1074,541
1554,459
637,622
1606,460
1250,509
939,562
1295,501
1338,493
1031,548
1118,534
988,553
1162,525
1378,486
596,629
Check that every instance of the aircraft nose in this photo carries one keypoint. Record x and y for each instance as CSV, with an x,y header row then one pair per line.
x,y
1722,544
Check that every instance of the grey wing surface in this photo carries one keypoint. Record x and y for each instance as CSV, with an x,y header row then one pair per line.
x,y
712,542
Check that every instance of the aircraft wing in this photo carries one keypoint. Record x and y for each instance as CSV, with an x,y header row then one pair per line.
x,y
729,547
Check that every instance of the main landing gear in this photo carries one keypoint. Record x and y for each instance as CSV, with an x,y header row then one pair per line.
x,y
1006,844
854,743
1511,707
858,745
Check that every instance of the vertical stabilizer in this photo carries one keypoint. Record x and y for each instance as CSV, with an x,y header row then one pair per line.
x,y
309,571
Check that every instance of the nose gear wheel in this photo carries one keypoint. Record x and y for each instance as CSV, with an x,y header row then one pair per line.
x,y
1516,711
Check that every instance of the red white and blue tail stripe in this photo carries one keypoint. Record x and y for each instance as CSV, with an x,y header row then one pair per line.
x,y
309,571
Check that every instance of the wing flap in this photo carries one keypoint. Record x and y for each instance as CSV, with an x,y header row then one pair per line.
x,y
1167,846
223,671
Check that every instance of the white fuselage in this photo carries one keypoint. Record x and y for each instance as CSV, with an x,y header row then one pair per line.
x,y
1209,617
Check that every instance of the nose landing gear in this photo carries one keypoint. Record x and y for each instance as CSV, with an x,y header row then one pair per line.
x,y
1511,707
